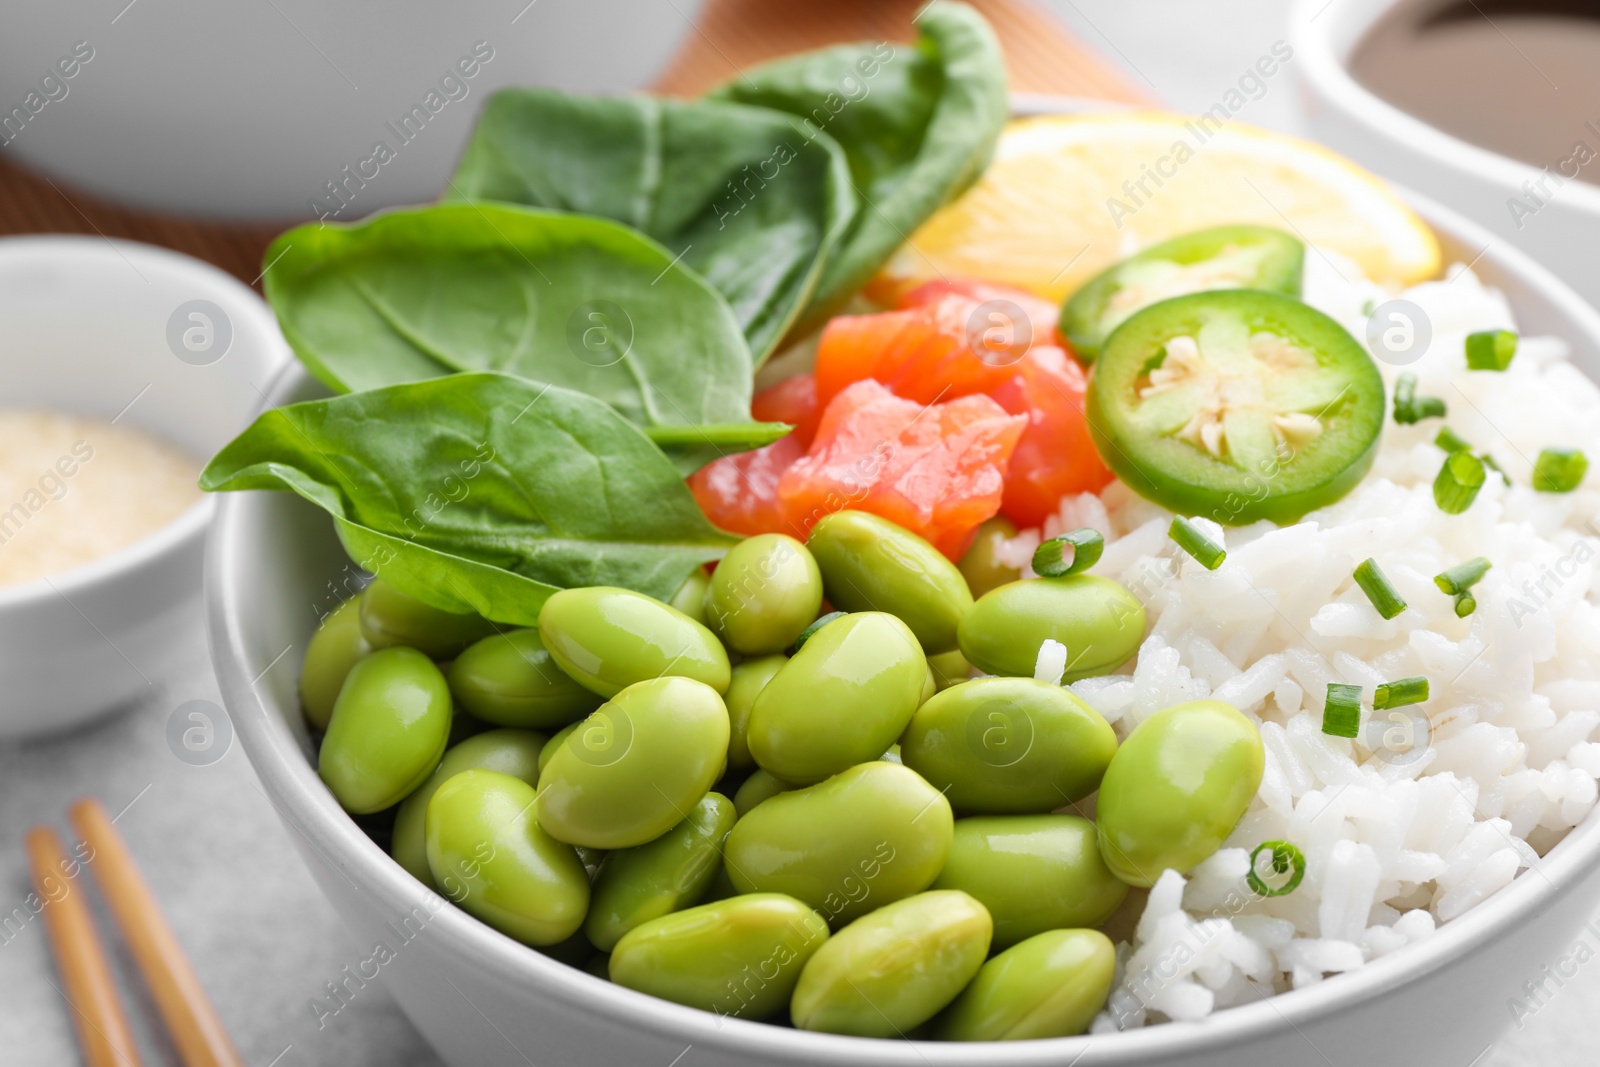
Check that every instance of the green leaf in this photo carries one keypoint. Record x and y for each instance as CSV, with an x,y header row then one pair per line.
x,y
749,197
578,302
918,125
482,491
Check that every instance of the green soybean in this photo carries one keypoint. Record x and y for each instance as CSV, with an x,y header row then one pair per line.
x,y
1176,789
1051,985
1032,872
981,566
873,834
510,679
691,595
490,856
607,639
843,699
739,957
557,739
334,648
1009,745
388,730
764,592
949,668
633,769
1099,621
513,752
666,875
894,969
871,564
758,787
749,678
390,617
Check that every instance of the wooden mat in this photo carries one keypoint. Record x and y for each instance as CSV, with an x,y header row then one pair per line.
x,y
1043,57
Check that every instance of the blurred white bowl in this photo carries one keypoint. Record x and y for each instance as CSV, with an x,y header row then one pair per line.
x,y
249,110
1475,181
86,324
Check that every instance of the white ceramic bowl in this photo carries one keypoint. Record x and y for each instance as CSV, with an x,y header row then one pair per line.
x,y
1479,183
84,324
251,110
483,1000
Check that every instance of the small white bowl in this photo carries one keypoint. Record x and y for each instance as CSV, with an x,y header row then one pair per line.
x,y
1479,183
85,327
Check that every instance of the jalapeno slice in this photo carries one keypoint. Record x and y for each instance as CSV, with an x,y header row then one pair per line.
x,y
1236,404
1224,257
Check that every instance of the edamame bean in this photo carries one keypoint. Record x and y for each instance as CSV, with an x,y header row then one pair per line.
x,y
631,770
749,678
1176,789
557,739
489,855
388,730
981,566
666,875
1032,872
390,617
607,639
513,752
843,699
763,593
873,834
1099,621
895,968
758,787
1009,745
949,668
334,648
510,680
1051,985
871,564
691,595
740,956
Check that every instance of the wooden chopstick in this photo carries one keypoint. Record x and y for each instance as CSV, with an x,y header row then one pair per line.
x,y
196,1030
91,992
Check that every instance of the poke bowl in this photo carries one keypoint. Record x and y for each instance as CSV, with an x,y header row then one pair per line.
x,y
1287,936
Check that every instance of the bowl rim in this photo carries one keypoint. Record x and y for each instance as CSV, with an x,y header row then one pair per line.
x,y
303,802
190,524
1324,73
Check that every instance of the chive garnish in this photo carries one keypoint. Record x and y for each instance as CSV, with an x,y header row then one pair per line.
x,y
1458,482
1491,349
1451,441
1376,585
1189,538
1466,604
1409,407
1285,858
1559,470
1462,576
805,635
1488,461
1053,560
1399,694
1341,712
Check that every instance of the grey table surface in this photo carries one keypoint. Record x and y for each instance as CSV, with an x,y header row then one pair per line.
x,y
261,936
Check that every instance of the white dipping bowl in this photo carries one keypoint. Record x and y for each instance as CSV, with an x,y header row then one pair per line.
x,y
1479,183
483,1000
84,329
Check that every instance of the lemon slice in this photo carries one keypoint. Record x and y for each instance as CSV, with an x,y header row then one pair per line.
x,y
1069,195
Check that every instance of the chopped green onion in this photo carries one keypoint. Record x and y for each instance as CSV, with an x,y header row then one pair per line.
x,y
805,635
1559,470
1458,482
1285,857
1451,441
1462,576
1491,349
1050,560
1341,712
1489,462
1466,604
1399,694
1191,540
1410,408
1375,584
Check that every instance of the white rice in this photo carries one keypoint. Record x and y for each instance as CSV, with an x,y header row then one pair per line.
x,y
1397,837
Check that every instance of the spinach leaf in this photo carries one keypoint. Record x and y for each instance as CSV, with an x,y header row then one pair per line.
x,y
578,302
747,196
918,125
482,491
